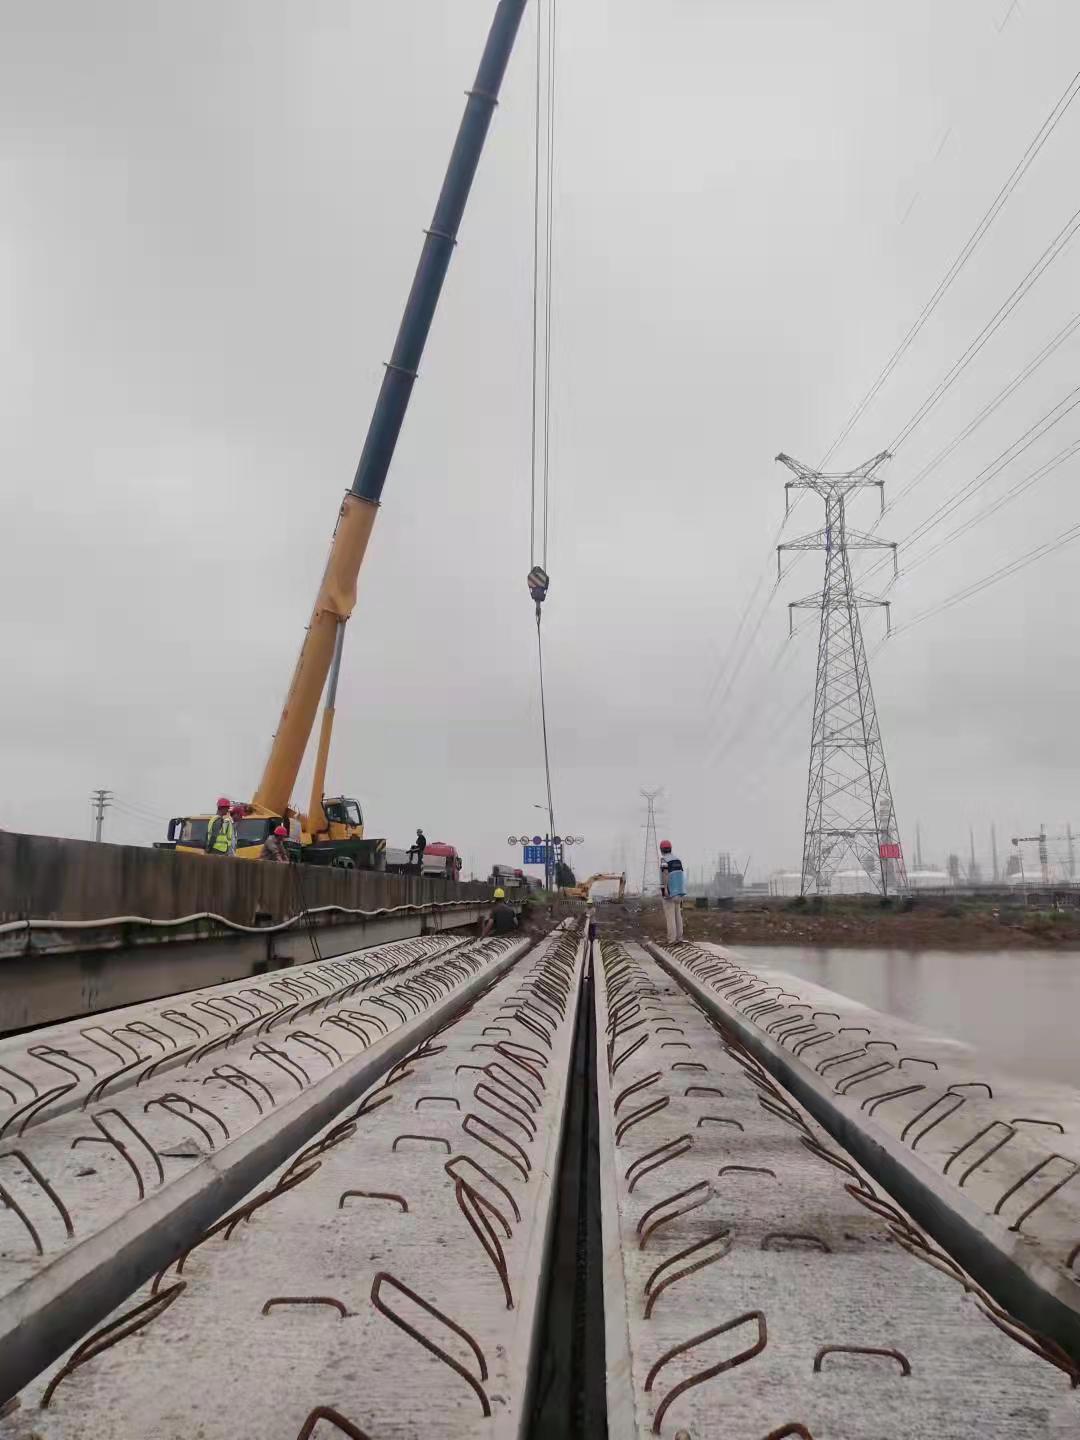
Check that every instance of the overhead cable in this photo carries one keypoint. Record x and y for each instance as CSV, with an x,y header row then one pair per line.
x,y
1004,310
987,410
1040,138
994,577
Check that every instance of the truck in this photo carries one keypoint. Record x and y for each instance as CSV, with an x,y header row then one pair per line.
x,y
441,862
331,830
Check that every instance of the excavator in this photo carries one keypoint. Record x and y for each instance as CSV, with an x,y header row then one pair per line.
x,y
582,891
331,831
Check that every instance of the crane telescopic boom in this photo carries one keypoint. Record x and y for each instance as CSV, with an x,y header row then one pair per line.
x,y
336,597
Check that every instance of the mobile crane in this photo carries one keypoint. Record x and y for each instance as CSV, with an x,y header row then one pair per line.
x,y
332,830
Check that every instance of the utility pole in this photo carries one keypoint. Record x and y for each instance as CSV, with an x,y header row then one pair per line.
x,y
993,852
918,845
849,807
101,800
1072,852
974,873
652,846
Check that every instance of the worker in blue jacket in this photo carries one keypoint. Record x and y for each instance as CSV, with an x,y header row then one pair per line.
x,y
672,890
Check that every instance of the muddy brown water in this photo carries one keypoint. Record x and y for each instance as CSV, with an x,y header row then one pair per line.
x,y
1020,1008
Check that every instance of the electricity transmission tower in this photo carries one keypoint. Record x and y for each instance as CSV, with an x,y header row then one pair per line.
x,y
652,846
849,807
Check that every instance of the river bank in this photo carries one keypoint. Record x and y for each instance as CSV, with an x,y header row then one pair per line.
x,y
929,924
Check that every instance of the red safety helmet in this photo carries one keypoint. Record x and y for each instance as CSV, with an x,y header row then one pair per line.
x,y
665,846
237,810
280,830
223,802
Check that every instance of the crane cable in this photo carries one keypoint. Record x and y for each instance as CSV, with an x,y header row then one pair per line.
x,y
540,456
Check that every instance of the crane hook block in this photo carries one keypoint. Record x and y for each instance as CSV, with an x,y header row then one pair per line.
x,y
538,583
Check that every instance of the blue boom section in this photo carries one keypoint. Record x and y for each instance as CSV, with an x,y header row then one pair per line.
x,y
393,401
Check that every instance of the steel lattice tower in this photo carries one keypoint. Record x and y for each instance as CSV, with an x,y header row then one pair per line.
x,y
849,807
652,848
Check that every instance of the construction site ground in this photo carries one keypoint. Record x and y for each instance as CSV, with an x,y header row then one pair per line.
x,y
931,923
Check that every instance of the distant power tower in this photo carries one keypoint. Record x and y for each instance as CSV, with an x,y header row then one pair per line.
x,y
849,808
652,845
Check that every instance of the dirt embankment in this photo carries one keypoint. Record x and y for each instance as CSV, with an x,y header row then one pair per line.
x,y
927,925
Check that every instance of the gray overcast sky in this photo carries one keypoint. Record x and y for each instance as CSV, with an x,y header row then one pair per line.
x,y
209,218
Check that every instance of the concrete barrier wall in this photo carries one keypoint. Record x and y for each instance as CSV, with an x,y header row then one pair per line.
x,y
45,878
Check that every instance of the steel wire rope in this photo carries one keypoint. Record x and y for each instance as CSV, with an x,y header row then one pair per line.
x,y
543,233
1040,138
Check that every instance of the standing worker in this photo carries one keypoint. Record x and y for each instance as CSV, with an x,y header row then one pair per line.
x,y
221,832
672,889
503,919
274,848
417,848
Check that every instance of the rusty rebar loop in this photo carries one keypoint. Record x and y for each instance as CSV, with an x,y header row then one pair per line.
x,y
694,1195
654,1159
1010,1133
118,1145
642,1084
514,1114
240,1080
475,1126
711,1371
373,1195
643,1112
384,1278
654,1287
467,1160
473,1205
430,1139
277,1300
113,1332
1030,1175
335,1418
871,1103
8,1202
926,1110
500,1075
169,1102
886,1352
44,1184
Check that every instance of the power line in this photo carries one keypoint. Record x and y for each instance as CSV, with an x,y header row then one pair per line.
x,y
1048,547
989,471
988,409
1046,129
1004,310
1013,493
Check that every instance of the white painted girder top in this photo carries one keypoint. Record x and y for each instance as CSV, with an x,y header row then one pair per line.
x,y
999,1149
46,1071
394,1275
749,1266
213,1094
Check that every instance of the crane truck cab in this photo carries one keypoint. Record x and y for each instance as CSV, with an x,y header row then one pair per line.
x,y
187,834
341,844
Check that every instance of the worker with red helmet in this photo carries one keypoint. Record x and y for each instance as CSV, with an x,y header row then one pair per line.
x,y
672,891
221,832
274,847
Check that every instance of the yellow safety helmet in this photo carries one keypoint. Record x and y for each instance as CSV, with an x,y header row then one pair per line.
x,y
500,893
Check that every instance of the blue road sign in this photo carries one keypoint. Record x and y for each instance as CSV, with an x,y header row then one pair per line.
x,y
534,855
